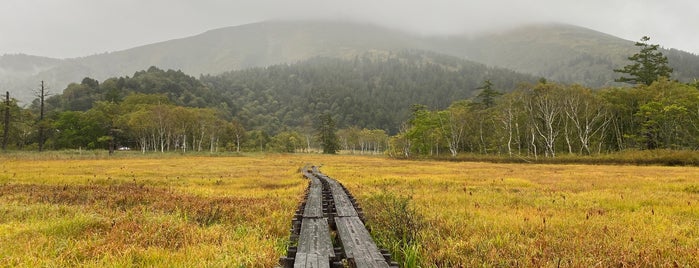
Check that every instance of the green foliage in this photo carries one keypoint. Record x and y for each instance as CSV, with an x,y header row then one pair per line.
x,y
363,141
372,91
20,125
488,94
369,97
287,142
396,224
648,65
76,130
326,134
424,133
174,86
548,119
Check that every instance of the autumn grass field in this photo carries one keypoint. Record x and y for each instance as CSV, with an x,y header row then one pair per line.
x,y
165,211
192,211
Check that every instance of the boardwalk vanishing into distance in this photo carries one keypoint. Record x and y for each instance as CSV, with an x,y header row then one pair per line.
x,y
330,213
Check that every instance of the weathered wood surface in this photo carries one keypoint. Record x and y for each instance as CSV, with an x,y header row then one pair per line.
x,y
357,243
343,204
314,202
315,249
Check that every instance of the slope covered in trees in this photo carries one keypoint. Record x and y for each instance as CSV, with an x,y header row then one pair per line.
x,y
563,53
429,104
279,105
373,90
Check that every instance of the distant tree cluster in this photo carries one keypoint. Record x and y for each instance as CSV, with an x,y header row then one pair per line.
x,y
547,119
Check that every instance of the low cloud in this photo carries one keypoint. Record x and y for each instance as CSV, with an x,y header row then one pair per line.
x,y
83,27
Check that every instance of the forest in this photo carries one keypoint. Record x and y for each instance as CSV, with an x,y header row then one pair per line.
x,y
405,104
545,119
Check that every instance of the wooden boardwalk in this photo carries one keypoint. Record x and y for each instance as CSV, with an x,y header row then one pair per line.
x,y
359,248
314,248
330,209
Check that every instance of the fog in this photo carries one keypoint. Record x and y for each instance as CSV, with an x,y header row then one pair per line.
x,y
75,28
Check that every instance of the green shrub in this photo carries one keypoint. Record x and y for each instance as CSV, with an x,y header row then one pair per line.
x,y
396,225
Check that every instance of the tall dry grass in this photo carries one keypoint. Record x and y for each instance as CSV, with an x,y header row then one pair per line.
x,y
235,211
136,211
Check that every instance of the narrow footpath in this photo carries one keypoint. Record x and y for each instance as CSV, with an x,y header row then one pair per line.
x,y
328,229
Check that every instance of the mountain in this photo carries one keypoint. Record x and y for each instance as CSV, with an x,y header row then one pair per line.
x,y
561,52
373,90
18,73
232,48
557,52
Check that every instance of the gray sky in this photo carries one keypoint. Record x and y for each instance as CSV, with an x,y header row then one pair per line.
x,y
73,28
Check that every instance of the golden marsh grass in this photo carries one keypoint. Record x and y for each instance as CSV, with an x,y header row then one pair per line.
x,y
236,211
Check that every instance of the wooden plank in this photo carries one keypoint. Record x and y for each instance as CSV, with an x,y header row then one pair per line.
x,y
314,202
315,248
310,261
358,245
300,260
343,205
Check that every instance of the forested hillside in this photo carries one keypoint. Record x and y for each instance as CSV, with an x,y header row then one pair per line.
x,y
562,53
160,110
372,90
408,103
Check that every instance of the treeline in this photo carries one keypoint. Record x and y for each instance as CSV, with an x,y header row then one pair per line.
x,y
369,102
153,110
276,105
547,119
152,123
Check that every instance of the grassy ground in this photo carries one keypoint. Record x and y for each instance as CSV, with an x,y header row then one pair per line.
x,y
169,211
236,211
475,214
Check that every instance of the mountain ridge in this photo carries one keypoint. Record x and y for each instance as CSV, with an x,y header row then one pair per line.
x,y
559,52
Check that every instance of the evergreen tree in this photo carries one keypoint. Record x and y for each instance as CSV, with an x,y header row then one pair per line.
x,y
648,65
488,94
326,134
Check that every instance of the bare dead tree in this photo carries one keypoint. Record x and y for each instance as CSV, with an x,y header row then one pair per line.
x,y
42,94
6,129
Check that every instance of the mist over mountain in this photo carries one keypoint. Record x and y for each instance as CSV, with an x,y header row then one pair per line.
x,y
557,52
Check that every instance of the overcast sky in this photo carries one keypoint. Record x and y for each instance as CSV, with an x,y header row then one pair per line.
x,y
73,28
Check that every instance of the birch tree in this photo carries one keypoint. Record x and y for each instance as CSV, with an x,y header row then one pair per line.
x,y
587,113
545,112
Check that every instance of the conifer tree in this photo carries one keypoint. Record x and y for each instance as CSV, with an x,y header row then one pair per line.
x,y
326,134
648,65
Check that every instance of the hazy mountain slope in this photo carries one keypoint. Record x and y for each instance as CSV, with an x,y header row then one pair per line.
x,y
561,52
234,48
18,71
253,45
557,52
